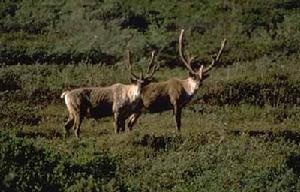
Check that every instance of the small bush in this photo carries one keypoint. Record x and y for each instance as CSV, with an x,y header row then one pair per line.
x,y
25,167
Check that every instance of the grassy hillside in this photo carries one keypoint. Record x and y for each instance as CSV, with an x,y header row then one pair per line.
x,y
240,132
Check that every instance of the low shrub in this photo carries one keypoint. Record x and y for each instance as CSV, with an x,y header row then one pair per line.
x,y
26,167
237,92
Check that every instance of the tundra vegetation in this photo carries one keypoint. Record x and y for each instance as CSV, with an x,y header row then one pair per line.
x,y
251,99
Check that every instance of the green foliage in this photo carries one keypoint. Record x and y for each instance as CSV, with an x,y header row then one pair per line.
x,y
18,114
236,165
25,167
100,31
275,94
55,77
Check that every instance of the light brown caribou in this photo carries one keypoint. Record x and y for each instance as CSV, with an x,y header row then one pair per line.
x,y
175,93
119,100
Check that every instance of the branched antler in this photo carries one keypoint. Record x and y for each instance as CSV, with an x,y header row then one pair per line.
x,y
152,66
215,59
150,62
188,62
129,65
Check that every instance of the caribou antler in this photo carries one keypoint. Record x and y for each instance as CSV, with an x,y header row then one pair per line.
x,y
151,62
188,62
129,65
152,68
215,59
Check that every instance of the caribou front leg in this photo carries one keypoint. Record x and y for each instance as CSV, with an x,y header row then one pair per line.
x,y
132,120
177,117
116,122
119,122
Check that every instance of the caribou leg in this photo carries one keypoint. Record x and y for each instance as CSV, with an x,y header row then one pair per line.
x,y
77,123
177,117
132,120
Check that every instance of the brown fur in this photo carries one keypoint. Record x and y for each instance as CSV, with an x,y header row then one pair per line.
x,y
119,100
174,93
158,96
167,95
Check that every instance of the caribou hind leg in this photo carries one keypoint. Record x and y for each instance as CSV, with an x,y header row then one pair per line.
x,y
68,125
77,123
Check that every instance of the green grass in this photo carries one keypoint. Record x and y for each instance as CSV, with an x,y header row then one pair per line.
x,y
222,146
229,148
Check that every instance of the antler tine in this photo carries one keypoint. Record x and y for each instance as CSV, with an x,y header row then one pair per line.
x,y
190,59
151,62
216,58
129,65
201,71
153,68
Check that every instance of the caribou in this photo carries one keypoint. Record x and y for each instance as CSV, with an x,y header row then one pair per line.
x,y
175,93
118,100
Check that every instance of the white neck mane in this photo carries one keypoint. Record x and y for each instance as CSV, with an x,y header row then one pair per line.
x,y
192,86
134,92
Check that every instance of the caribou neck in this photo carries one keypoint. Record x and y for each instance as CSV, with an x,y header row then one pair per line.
x,y
134,91
191,85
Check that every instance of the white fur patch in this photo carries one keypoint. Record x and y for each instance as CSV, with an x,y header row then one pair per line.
x,y
67,101
133,92
192,86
